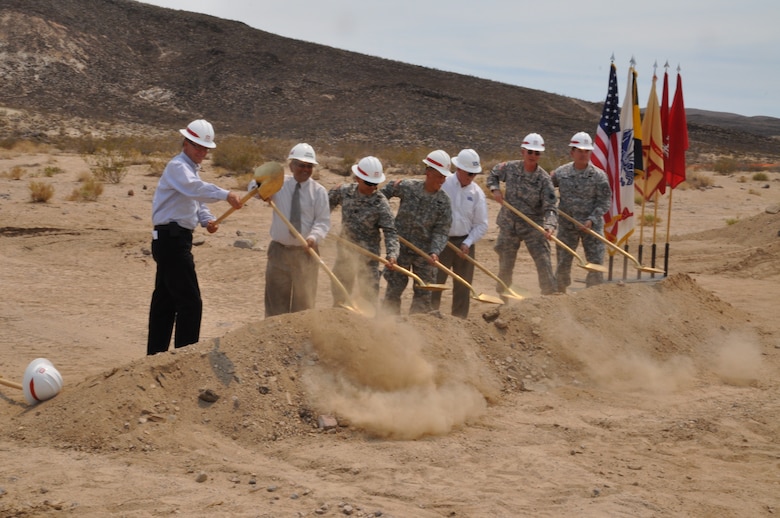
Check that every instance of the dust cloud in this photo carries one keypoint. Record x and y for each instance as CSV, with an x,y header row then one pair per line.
x,y
376,376
737,358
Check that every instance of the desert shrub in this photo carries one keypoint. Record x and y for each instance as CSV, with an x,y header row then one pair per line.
x,y
90,190
40,192
725,165
237,154
649,220
697,180
760,177
731,221
108,164
742,179
51,170
754,192
15,173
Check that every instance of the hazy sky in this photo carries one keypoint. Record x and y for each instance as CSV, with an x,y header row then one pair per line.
x,y
728,51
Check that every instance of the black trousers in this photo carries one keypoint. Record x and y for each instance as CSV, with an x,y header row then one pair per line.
x,y
176,298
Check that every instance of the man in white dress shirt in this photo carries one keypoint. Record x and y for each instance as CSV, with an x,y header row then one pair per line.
x,y
469,224
291,272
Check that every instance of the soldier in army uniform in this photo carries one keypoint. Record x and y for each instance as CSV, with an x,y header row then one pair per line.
x,y
530,190
423,218
585,195
365,216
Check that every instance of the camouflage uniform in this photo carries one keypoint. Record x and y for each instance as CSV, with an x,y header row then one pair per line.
x,y
532,194
362,217
585,195
424,219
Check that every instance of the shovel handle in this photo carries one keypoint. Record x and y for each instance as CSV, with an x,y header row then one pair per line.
x,y
11,384
231,210
313,253
379,258
440,266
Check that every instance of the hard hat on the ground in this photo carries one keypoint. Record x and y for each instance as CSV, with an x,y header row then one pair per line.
x,y
303,152
439,160
369,168
200,132
41,381
581,140
468,160
533,142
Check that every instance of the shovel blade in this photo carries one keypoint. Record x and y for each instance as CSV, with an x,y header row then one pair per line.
x,y
270,178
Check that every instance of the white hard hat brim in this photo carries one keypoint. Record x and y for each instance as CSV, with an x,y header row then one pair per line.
x,y
196,140
468,169
363,176
442,170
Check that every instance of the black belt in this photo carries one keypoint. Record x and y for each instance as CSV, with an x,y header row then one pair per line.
x,y
172,227
458,237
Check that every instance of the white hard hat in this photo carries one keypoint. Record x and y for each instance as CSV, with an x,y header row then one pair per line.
x,y
439,160
533,142
200,132
304,153
369,169
581,140
468,160
41,381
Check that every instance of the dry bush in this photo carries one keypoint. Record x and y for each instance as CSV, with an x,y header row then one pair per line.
x,y
760,177
697,180
725,165
108,164
40,192
742,179
15,173
90,190
51,170
649,220
237,154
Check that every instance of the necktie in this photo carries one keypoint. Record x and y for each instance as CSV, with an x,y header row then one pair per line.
x,y
295,208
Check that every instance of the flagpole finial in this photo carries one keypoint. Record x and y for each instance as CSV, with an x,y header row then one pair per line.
x,y
633,61
666,65
612,59
655,68
678,68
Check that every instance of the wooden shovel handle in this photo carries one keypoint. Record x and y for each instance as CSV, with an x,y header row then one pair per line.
x,y
231,210
11,384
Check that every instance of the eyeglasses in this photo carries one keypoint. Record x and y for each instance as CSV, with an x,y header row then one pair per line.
x,y
197,146
472,174
303,165
533,152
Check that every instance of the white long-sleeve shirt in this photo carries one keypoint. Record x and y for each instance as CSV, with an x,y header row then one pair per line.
x,y
315,212
469,210
181,195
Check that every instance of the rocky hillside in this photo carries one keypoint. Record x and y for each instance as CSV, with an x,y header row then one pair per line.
x,y
120,62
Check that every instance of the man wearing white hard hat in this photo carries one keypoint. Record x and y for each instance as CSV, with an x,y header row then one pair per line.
x,y
529,189
584,195
469,225
423,218
291,272
178,206
365,217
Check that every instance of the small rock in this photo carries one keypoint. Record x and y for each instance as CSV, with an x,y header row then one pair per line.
x,y
202,477
208,395
131,192
243,243
500,324
491,315
326,422
198,241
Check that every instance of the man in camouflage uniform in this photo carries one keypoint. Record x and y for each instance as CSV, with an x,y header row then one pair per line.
x,y
364,213
423,218
529,189
585,195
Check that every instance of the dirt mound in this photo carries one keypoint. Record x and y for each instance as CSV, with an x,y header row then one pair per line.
x,y
759,230
401,378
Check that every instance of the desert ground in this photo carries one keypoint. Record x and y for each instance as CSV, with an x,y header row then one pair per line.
x,y
641,397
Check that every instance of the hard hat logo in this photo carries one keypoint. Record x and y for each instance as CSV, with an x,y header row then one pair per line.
x,y
581,140
304,153
533,142
41,381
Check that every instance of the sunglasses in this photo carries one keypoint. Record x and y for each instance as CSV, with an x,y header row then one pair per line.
x,y
197,146
472,174
370,184
532,152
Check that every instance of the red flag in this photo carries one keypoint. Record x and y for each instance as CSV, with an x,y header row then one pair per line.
x,y
606,152
678,138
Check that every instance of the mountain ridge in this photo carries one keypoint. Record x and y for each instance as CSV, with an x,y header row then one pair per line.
x,y
124,62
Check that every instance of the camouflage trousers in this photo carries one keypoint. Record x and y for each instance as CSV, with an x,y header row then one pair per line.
x,y
507,245
396,283
350,267
594,253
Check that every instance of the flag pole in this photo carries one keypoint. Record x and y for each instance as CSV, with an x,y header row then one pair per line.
x,y
655,227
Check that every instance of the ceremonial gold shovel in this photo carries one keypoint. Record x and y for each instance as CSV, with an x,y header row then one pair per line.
x,y
508,292
648,269
420,283
480,297
580,261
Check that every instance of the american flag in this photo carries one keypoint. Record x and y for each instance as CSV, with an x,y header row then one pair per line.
x,y
606,152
